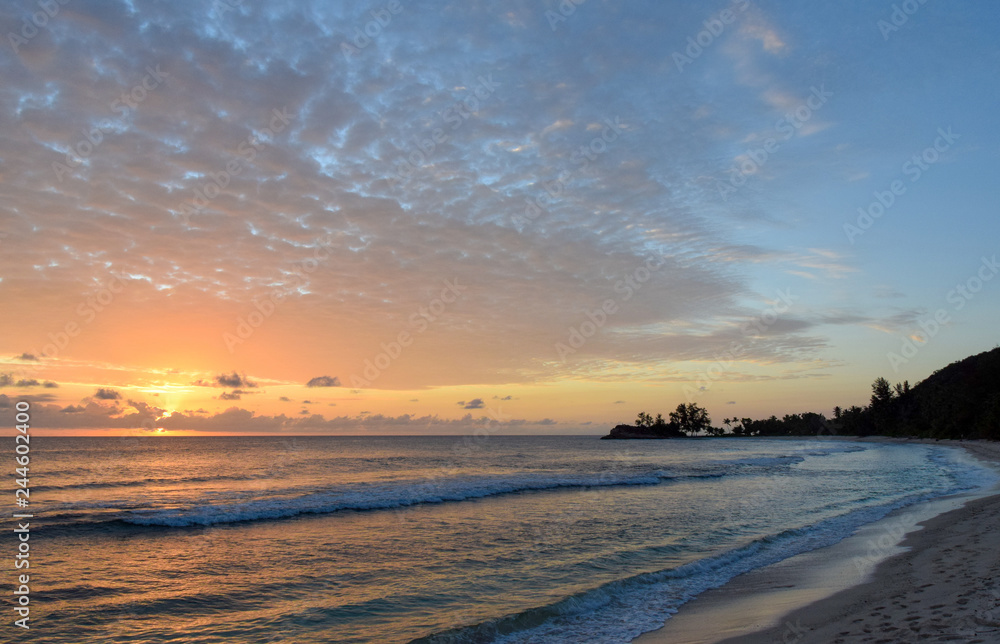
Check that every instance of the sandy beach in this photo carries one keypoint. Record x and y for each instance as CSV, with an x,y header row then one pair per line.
x,y
931,576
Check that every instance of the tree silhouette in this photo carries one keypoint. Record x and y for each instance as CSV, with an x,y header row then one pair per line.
x,y
715,431
690,418
882,392
881,407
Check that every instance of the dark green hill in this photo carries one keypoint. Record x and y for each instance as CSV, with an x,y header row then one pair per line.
x,y
961,400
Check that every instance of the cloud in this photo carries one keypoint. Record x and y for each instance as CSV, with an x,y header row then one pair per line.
x,y
475,403
307,402
5,401
768,37
7,380
886,292
233,380
324,381
325,178
731,402
561,124
27,357
619,402
229,396
285,399
107,394
37,398
94,415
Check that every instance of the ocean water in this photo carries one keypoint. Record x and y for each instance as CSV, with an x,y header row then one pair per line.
x,y
492,539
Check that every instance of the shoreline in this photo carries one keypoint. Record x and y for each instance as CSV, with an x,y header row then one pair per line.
x,y
924,569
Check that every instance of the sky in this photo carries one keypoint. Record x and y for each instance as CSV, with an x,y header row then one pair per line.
x,y
529,217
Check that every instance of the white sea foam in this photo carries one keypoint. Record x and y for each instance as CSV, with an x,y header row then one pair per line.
x,y
376,497
617,612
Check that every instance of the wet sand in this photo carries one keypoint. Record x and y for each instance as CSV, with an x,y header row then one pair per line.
x,y
940,583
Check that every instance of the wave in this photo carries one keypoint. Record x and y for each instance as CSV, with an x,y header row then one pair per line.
x,y
375,497
762,461
359,497
283,504
619,611
289,502
96,485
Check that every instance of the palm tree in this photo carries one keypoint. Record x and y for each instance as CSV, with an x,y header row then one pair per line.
x,y
690,418
644,420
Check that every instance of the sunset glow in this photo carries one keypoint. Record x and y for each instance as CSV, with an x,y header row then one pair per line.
x,y
235,224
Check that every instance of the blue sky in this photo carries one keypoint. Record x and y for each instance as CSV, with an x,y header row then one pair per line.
x,y
411,160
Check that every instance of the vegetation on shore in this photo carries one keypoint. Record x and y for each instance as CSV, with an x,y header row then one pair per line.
x,y
961,401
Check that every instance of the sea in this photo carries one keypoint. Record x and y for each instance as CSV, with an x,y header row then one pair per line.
x,y
398,539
